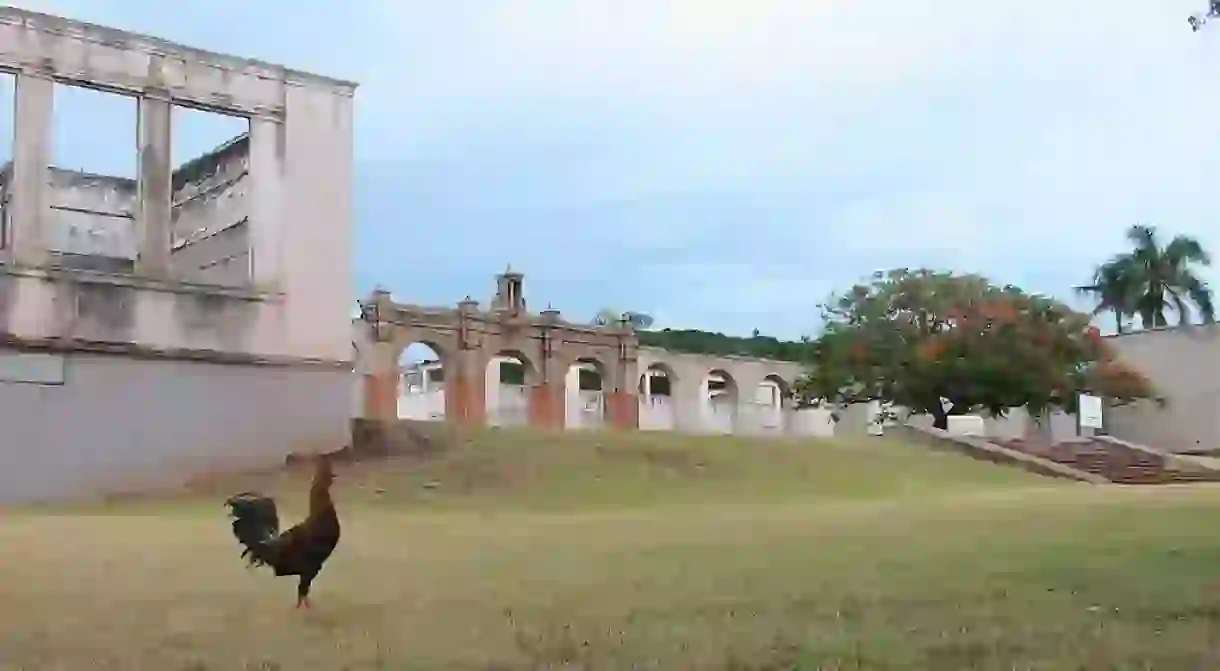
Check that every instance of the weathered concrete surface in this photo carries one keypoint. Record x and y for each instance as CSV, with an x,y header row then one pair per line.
x,y
467,339
688,378
299,165
122,423
91,222
1184,364
280,304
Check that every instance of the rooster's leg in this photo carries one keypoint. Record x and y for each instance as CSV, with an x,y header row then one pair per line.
x,y
303,591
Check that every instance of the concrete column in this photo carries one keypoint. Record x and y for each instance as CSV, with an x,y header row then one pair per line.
x,y
265,200
31,157
155,197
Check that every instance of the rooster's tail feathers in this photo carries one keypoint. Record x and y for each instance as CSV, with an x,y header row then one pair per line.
x,y
255,521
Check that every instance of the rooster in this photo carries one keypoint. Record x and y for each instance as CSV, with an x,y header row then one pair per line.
x,y
300,551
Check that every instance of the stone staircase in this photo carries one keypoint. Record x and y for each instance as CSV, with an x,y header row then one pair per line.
x,y
1117,462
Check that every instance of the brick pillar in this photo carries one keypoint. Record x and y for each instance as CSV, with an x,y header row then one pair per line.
x,y
466,390
381,396
622,410
546,406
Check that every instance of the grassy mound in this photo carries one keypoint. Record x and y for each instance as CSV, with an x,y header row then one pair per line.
x,y
514,469
653,551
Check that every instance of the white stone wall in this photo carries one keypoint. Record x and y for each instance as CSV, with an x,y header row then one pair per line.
x,y
210,232
299,295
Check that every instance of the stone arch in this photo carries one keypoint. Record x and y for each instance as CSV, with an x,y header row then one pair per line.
x,y
585,388
783,387
654,371
721,398
420,374
510,376
441,342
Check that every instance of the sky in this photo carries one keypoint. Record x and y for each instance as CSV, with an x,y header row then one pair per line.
x,y
725,164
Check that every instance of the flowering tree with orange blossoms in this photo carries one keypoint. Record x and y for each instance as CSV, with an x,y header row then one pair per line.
x,y
915,337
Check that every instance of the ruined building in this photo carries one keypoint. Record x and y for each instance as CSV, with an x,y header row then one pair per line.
x,y
187,319
92,218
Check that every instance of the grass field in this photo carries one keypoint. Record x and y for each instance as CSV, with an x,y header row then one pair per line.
x,y
519,552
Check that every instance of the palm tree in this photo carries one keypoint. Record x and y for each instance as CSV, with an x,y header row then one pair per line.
x,y
1116,290
1152,278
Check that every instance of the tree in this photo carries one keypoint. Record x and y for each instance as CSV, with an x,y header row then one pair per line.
x,y
610,316
1116,290
919,338
1198,21
1153,278
693,341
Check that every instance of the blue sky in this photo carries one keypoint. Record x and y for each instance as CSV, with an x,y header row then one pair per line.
x,y
724,164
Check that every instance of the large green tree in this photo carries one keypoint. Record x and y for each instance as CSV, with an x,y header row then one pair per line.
x,y
919,338
1153,279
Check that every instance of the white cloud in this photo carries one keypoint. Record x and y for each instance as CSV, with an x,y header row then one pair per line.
x,y
1016,138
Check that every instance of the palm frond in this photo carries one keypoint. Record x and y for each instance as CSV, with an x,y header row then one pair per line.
x,y
1183,250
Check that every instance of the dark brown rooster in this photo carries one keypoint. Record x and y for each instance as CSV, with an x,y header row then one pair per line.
x,y
300,551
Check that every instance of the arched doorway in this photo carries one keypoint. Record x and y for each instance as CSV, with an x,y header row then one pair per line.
x,y
658,411
771,404
584,394
720,402
509,377
421,382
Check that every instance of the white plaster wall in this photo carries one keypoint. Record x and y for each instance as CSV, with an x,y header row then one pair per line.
x,y
301,163
1013,425
1184,365
690,409
967,425
507,404
657,413
284,326
122,60
812,423
219,258
419,396
317,274
764,414
422,405
114,422
582,409
217,198
209,230
91,214
720,415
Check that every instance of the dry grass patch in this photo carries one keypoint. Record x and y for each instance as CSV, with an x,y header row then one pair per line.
x,y
523,573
